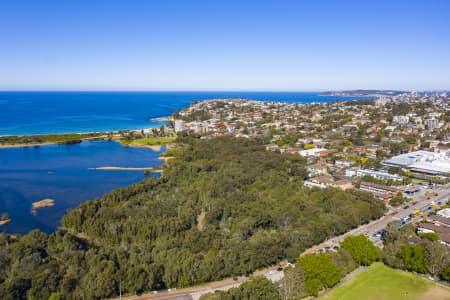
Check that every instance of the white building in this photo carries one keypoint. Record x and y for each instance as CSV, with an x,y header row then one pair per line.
x,y
197,127
352,172
308,183
344,163
432,123
180,125
312,152
434,163
400,119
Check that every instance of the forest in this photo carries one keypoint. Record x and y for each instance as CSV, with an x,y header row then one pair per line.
x,y
223,207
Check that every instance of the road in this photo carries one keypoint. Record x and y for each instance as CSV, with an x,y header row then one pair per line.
x,y
194,293
373,227
273,274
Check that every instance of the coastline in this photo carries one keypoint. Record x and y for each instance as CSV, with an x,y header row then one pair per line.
x,y
6,146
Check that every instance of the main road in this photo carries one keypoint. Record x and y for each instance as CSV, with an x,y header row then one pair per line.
x,y
422,200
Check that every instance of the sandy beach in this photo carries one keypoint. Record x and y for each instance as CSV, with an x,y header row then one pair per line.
x,y
165,158
156,148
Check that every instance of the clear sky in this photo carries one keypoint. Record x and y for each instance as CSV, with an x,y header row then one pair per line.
x,y
224,45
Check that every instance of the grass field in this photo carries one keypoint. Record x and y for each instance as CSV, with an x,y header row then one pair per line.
x,y
152,141
380,282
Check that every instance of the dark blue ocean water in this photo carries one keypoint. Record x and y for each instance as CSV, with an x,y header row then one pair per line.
x,y
60,172
63,112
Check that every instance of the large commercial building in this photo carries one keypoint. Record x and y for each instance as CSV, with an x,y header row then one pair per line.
x,y
433,163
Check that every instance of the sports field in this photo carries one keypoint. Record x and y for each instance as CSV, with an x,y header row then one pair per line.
x,y
380,282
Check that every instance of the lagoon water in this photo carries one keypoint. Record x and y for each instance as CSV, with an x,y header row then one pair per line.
x,y
60,172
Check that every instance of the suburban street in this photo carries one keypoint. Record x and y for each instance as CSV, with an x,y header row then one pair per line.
x,y
422,200
370,229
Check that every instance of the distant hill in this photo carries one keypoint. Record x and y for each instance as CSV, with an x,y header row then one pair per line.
x,y
362,93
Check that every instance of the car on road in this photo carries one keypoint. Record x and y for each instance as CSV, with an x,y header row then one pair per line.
x,y
406,207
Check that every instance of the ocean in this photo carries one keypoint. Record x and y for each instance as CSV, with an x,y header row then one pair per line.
x,y
61,172
24,113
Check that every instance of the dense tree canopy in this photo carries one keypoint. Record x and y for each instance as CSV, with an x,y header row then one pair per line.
x,y
362,250
223,207
257,288
320,272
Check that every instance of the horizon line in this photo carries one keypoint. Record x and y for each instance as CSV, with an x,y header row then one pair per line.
x,y
218,90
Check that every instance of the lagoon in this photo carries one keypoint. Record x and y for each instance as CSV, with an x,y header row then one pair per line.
x,y
61,173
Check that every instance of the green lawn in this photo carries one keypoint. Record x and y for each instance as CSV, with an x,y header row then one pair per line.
x,y
152,141
380,282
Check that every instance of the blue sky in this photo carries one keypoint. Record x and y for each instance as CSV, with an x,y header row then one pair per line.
x,y
224,45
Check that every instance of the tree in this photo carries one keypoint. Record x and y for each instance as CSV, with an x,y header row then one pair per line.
x,y
446,273
146,236
344,261
362,250
431,236
257,288
293,285
320,272
413,257
398,199
436,258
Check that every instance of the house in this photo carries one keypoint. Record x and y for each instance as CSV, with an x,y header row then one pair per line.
x,y
439,220
328,180
443,232
343,163
316,169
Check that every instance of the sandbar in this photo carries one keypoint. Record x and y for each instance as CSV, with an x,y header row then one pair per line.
x,y
4,222
43,203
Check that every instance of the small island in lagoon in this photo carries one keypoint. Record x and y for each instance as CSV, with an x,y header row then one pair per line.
x,y
41,204
4,219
